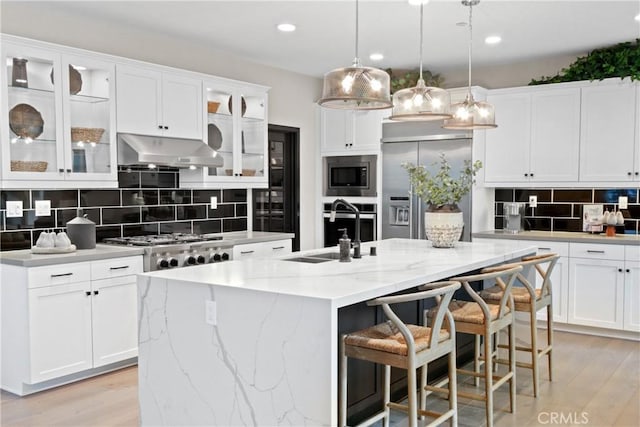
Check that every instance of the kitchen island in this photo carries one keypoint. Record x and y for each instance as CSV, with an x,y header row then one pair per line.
x,y
254,342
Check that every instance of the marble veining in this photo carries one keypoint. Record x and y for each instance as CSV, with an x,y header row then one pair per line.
x,y
270,359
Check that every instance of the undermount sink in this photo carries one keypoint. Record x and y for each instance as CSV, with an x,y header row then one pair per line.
x,y
316,258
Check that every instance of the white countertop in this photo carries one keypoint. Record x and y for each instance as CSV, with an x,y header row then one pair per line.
x,y
562,236
242,237
399,264
24,258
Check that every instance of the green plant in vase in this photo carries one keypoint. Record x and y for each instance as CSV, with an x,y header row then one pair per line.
x,y
442,192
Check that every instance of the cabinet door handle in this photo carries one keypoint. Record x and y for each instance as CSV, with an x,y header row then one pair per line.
x,y
61,170
96,292
166,127
87,293
61,275
526,174
594,252
531,174
637,173
68,170
119,268
544,249
628,271
246,252
619,270
159,126
277,247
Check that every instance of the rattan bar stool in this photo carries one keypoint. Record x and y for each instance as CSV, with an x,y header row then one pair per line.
x,y
405,346
529,299
484,320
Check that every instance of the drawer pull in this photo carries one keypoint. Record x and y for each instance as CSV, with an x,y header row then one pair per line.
x,y
246,252
277,247
87,293
96,292
594,252
619,270
628,271
61,275
544,249
119,268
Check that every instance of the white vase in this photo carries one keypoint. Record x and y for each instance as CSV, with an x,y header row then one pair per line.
x,y
443,229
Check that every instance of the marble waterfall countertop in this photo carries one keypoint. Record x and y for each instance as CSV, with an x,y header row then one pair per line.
x,y
562,236
399,264
255,341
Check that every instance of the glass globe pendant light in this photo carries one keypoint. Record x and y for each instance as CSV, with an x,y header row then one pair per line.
x,y
356,87
471,114
420,102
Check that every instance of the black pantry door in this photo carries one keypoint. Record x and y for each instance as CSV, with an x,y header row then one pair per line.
x,y
277,208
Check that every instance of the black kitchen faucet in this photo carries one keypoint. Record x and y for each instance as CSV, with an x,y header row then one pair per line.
x,y
332,218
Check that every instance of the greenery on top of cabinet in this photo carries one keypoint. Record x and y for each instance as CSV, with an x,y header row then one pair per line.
x,y
620,60
405,79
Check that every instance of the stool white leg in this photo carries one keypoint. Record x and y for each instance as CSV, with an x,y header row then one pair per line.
x,y
512,366
550,338
342,410
411,388
488,379
453,387
387,395
534,349
476,360
423,392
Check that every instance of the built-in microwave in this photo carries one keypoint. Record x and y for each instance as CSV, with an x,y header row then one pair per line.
x,y
350,175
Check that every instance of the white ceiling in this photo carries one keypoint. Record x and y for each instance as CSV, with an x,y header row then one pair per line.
x,y
325,36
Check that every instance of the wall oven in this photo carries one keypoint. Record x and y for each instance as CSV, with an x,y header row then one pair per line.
x,y
347,219
350,175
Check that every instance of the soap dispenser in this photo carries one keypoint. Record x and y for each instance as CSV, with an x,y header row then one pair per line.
x,y
345,246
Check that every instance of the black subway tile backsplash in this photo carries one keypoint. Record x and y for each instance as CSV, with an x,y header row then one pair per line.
x,y
59,198
158,213
120,215
14,195
210,226
576,195
223,211
234,196
100,198
147,202
175,197
562,209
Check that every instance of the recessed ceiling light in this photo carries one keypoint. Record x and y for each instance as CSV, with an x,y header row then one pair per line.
x,y
286,28
376,57
493,40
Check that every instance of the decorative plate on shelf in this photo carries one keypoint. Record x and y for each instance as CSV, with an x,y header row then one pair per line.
x,y
25,121
244,104
75,80
214,136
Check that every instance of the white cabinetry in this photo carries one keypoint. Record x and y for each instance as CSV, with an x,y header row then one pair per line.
x,y
344,132
58,126
537,139
609,147
262,249
631,320
559,279
65,319
235,117
596,285
158,103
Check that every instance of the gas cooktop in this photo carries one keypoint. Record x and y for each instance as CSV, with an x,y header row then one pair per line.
x,y
161,239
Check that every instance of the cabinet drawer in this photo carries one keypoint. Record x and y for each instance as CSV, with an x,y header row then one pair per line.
x,y
544,247
596,251
116,267
632,253
278,247
61,274
247,250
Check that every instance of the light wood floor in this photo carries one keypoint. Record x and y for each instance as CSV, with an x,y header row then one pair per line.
x,y
596,383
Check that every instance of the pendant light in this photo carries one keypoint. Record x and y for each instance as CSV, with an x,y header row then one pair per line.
x,y
356,87
421,102
471,114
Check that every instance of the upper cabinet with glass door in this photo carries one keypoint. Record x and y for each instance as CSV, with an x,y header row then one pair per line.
x,y
57,127
236,127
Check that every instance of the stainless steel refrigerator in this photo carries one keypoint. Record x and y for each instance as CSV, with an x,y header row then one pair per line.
x,y
419,143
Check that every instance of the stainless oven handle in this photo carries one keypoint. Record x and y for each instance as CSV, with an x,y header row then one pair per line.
x,y
349,215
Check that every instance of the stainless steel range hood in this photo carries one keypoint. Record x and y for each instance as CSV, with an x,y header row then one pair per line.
x,y
161,151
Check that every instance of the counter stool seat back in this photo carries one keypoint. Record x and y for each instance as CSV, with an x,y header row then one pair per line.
x,y
405,346
530,299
